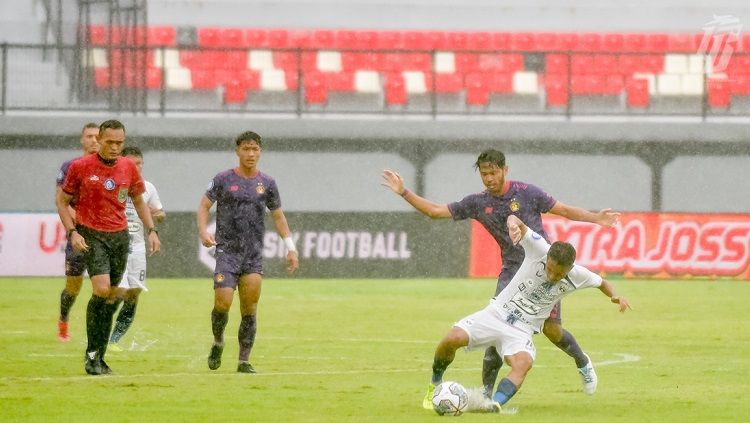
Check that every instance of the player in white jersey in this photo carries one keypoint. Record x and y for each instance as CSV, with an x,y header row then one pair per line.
x,y
547,274
134,279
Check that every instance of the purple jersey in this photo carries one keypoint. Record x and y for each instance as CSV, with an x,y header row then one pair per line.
x,y
240,210
63,171
526,201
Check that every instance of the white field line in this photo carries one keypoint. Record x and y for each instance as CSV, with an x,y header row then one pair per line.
x,y
620,359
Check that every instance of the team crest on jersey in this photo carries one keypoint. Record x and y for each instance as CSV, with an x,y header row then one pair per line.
x,y
219,277
514,205
109,184
260,189
122,195
488,210
234,188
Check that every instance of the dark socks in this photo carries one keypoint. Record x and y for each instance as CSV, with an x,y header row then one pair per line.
x,y
491,365
439,365
505,391
95,311
124,320
66,302
570,346
218,323
246,336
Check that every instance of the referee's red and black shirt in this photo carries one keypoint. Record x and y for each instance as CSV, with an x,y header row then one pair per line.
x,y
102,190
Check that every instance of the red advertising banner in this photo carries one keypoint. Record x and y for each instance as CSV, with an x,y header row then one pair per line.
x,y
658,245
32,245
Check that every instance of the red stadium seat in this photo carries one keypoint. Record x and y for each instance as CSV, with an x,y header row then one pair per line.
x,y
323,39
316,88
502,41
466,62
681,43
556,87
203,79
637,92
161,36
457,41
569,41
740,85
657,43
341,81
477,91
480,41
256,38
613,42
235,93
346,39
208,37
634,43
388,40
366,40
279,38
590,42
548,41
556,64
448,83
581,64
523,41
232,37
604,64
98,35
719,95
395,89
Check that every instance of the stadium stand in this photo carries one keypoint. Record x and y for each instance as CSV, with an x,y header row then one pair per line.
x,y
549,70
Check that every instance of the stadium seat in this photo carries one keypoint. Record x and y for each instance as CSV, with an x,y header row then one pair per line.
x,y
450,83
316,88
98,35
548,42
556,87
719,94
480,41
477,90
613,42
556,64
637,92
161,36
178,79
395,89
257,38
208,37
366,81
232,37
634,43
445,62
341,81
234,93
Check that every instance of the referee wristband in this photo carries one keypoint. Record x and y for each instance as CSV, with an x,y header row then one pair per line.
x,y
406,191
289,242
70,232
152,230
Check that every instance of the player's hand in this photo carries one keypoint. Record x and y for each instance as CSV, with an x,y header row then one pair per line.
x,y
394,181
292,260
207,240
78,242
154,243
514,229
608,218
622,302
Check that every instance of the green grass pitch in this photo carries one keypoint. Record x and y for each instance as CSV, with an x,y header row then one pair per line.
x,y
361,351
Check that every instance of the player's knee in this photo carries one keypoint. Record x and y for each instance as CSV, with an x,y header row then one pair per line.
x,y
553,331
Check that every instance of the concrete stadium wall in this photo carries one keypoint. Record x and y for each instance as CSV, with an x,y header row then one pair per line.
x,y
592,182
350,181
491,15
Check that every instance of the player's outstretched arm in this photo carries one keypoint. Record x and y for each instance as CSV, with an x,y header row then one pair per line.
x,y
609,290
201,220
604,217
395,182
516,229
282,228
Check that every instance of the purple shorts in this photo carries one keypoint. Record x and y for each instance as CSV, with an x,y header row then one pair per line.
x,y
555,316
229,268
75,264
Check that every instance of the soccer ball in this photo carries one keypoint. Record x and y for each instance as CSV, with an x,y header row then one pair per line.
x,y
450,399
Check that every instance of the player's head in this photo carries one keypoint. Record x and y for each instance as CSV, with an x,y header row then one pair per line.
x,y
560,259
248,147
88,138
492,169
134,154
248,136
111,138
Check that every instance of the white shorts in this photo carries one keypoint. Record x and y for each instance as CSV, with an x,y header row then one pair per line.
x,y
135,272
486,328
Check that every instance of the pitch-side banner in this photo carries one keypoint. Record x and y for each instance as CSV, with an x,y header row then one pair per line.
x,y
31,245
642,245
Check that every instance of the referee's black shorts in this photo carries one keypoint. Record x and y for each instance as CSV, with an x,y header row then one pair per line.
x,y
107,253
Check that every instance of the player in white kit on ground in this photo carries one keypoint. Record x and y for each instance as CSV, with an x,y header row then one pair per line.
x,y
547,274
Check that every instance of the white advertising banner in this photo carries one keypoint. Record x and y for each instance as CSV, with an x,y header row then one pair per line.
x,y
31,244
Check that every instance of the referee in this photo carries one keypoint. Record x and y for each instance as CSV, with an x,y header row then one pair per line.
x,y
101,183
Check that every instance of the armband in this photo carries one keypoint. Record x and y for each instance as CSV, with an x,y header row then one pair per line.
x,y
152,230
289,242
406,191
70,232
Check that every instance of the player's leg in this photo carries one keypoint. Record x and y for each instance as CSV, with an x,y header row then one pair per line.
x,y
492,361
520,363
74,267
225,282
444,355
249,293
565,340
133,283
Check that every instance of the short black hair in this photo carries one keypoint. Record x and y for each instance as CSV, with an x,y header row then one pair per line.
x,y
88,126
562,252
111,124
131,151
248,136
492,156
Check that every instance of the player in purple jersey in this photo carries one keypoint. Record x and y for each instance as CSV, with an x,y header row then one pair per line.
x,y
74,264
242,196
491,208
